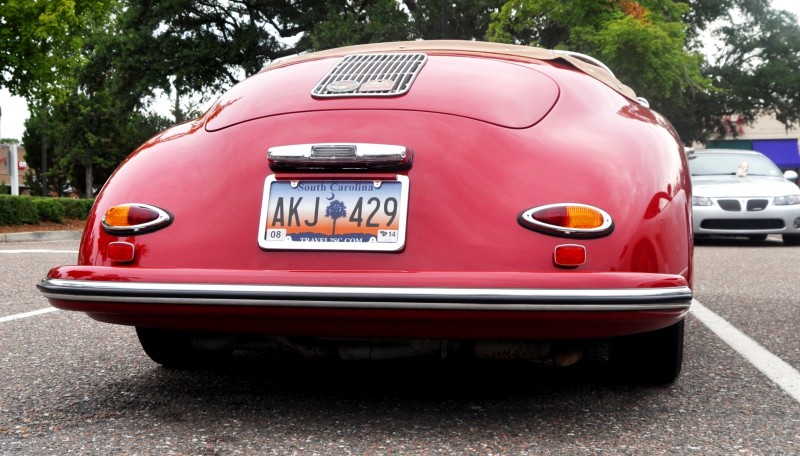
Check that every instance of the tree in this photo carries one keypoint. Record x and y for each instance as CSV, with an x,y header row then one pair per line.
x,y
362,22
185,46
644,42
84,139
335,210
755,67
464,20
80,131
656,47
188,47
40,41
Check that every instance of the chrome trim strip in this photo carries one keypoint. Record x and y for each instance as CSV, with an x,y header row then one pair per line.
x,y
513,299
338,155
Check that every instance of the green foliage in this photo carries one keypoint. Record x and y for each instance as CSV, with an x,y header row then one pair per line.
x,y
382,20
75,209
757,67
42,41
655,47
89,67
18,210
30,210
85,139
644,43
49,210
465,20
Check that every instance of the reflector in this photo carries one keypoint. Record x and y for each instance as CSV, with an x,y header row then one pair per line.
x,y
570,255
121,252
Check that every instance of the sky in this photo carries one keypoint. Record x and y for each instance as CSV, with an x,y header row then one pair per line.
x,y
14,110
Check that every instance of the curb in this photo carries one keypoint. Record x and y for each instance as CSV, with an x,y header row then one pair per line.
x,y
38,236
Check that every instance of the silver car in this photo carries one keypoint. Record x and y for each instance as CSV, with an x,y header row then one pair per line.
x,y
743,193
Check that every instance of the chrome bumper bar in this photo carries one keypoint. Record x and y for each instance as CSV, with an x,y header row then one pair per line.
x,y
508,299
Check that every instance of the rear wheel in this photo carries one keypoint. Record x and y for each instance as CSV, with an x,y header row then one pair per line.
x,y
175,349
791,239
653,358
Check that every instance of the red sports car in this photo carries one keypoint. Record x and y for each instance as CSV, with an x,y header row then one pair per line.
x,y
440,197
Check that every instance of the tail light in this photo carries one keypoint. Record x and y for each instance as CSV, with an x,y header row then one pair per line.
x,y
135,218
568,220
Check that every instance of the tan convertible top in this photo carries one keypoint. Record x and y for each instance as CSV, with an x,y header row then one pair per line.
x,y
482,48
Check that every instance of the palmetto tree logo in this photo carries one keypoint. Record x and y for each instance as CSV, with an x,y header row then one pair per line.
x,y
335,210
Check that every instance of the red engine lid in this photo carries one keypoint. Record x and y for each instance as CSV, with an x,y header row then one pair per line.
x,y
504,93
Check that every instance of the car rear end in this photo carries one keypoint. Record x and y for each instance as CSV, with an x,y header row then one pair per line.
x,y
493,198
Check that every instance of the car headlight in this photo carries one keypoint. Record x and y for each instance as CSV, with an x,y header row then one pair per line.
x,y
701,201
786,200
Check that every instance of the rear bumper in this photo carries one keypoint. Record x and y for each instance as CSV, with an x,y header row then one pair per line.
x,y
496,299
633,303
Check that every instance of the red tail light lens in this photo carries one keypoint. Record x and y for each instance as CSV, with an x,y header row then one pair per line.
x,y
135,218
568,220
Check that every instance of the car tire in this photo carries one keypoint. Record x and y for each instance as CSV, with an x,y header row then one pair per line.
x,y
649,358
174,349
791,239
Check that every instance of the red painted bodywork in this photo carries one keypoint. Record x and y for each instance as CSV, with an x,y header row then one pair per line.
x,y
491,137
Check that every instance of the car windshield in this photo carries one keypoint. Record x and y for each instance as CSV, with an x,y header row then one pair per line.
x,y
732,164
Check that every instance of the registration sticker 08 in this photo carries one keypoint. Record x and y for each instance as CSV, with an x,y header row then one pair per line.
x,y
357,215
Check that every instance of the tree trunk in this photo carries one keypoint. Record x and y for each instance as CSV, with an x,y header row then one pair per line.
x,y
89,180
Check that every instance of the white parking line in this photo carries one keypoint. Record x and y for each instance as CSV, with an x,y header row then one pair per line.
x,y
780,372
32,313
74,252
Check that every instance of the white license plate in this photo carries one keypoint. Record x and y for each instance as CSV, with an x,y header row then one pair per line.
x,y
359,215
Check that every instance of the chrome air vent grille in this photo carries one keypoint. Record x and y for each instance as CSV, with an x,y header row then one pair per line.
x,y
371,75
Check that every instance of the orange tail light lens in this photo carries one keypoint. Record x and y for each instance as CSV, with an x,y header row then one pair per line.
x,y
568,220
134,218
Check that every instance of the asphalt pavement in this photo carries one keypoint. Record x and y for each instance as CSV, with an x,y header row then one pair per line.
x,y
72,385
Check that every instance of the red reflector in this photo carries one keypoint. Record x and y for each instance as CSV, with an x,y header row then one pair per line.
x,y
570,255
121,252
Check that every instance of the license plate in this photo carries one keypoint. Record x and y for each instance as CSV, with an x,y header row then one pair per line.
x,y
359,215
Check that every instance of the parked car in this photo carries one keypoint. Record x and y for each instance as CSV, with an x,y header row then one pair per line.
x,y
743,193
441,197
